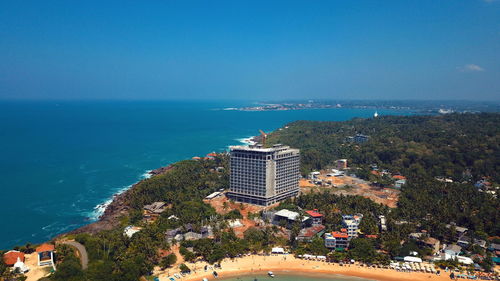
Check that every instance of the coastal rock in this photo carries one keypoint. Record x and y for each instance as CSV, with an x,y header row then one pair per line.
x,y
118,207
160,170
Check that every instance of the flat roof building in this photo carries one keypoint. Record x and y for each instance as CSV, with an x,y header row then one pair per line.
x,y
264,176
351,222
337,239
317,218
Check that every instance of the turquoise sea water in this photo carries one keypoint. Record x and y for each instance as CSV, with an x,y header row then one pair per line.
x,y
292,277
59,160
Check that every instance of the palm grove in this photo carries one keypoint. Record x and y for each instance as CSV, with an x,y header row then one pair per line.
x,y
463,147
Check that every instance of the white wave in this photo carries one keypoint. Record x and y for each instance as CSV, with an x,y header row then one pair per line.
x,y
147,174
49,226
99,209
247,140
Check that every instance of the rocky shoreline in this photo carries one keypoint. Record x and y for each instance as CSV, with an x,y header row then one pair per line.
x,y
117,208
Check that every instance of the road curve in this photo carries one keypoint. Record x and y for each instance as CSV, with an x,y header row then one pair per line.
x,y
84,258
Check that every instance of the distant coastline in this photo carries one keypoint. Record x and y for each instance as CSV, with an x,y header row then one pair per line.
x,y
423,107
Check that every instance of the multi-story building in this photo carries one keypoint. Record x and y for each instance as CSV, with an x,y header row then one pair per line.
x,y
342,164
317,218
383,223
351,223
337,240
359,138
264,176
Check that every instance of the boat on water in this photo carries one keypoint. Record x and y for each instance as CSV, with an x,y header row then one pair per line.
x,y
271,274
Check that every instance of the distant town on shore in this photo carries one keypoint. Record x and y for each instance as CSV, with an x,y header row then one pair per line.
x,y
427,107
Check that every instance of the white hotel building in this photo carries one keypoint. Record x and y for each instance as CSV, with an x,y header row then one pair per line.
x,y
264,176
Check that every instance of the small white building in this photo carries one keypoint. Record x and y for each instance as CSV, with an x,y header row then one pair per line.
x,y
399,183
20,266
278,250
213,195
45,254
412,259
235,223
460,259
130,230
465,260
314,175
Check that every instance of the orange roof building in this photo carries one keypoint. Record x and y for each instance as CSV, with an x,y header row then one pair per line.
x,y
10,258
341,234
45,254
399,177
317,218
337,240
45,248
314,213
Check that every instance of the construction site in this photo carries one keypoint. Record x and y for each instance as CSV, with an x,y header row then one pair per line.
x,y
223,205
340,182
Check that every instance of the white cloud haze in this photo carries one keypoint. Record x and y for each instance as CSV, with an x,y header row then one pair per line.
x,y
471,68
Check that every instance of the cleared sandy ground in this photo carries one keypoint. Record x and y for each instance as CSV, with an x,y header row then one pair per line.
x,y
36,272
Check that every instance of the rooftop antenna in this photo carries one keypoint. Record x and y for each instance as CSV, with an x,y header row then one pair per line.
x,y
264,136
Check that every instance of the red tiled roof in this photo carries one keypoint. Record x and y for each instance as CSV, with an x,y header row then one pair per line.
x,y
375,173
213,154
373,236
10,258
45,248
311,231
399,177
337,234
314,213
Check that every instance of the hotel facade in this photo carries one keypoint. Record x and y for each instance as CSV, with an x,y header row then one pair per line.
x,y
264,176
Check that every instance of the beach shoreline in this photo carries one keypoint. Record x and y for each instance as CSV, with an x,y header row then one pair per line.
x,y
288,264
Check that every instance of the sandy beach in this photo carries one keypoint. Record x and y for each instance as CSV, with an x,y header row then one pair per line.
x,y
287,263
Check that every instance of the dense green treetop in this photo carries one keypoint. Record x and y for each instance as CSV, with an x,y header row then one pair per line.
x,y
464,147
445,145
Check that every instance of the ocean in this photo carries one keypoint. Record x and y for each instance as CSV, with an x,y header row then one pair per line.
x,y
60,161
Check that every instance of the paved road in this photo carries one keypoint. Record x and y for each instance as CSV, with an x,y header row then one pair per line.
x,y
83,252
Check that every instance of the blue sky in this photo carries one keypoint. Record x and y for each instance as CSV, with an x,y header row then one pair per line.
x,y
251,50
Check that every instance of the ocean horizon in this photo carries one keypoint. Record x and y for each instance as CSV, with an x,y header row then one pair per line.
x,y
62,161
